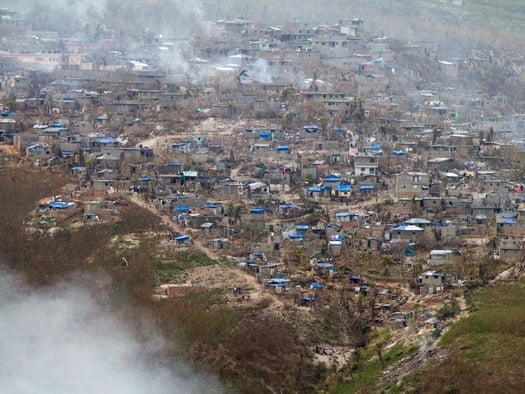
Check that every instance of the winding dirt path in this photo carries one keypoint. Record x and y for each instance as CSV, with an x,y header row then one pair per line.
x,y
259,291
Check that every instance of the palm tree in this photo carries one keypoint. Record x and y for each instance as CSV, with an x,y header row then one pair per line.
x,y
239,77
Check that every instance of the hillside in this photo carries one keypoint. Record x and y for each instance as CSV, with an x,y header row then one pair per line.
x,y
487,22
485,348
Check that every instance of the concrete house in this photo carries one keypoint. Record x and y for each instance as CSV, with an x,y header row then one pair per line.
x,y
412,184
441,257
511,247
431,282
407,232
365,166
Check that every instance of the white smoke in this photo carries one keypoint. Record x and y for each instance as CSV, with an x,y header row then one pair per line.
x,y
62,341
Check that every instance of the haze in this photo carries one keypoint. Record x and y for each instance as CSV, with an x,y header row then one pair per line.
x,y
62,341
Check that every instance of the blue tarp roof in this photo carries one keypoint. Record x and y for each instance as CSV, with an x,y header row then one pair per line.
x,y
365,188
257,211
314,189
398,153
302,227
280,280
308,299
106,140
182,238
60,204
333,178
315,285
145,179
311,128
283,148
407,227
296,236
287,206
374,147
265,134
212,206
182,208
343,188
509,221
342,214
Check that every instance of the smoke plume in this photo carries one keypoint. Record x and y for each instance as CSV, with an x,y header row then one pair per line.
x,y
63,341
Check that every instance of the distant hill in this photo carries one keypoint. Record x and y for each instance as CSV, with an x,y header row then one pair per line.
x,y
495,22
404,18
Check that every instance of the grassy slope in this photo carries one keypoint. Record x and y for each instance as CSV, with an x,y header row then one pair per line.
x,y
367,376
486,348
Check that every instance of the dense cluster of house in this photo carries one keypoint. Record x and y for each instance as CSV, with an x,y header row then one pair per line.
x,y
361,156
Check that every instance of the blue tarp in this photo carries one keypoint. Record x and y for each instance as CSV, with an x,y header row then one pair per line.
x,y
60,204
327,266
296,236
66,153
145,179
306,300
315,285
398,153
314,189
182,238
283,148
366,188
257,211
182,208
338,129
333,179
311,128
106,140
343,188
288,206
280,280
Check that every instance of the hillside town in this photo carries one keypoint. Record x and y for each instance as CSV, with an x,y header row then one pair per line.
x,y
321,164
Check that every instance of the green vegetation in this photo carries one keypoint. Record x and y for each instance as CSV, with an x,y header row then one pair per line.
x,y
486,348
250,350
449,310
365,379
170,269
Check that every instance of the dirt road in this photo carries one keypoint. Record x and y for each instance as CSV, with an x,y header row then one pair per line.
x,y
259,291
